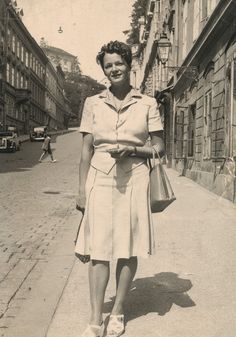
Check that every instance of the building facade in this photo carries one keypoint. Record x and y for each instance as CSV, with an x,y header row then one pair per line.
x,y
62,108
38,64
24,87
51,96
68,62
15,69
195,86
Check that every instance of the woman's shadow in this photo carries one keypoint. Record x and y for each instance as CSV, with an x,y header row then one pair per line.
x,y
155,294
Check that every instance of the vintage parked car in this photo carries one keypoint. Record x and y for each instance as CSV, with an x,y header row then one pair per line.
x,y
38,133
9,141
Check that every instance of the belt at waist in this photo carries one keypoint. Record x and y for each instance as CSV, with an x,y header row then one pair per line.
x,y
103,161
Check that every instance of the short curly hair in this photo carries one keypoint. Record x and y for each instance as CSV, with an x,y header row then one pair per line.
x,y
117,47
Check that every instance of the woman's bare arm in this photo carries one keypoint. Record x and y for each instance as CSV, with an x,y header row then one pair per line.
x,y
86,156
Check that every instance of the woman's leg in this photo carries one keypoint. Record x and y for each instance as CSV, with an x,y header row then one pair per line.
x,y
99,272
42,155
51,155
125,272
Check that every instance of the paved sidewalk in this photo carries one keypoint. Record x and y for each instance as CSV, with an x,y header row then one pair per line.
x,y
187,289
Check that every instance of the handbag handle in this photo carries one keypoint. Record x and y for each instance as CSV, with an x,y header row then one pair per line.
x,y
154,151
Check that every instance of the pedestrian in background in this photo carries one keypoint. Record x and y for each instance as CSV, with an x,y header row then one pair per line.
x,y
46,147
114,185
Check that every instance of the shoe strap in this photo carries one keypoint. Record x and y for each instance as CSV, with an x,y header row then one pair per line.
x,y
118,317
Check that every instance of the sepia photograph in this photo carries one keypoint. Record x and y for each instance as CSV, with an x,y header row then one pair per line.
x,y
117,168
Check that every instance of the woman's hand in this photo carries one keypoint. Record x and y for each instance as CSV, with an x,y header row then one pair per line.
x,y
121,151
80,202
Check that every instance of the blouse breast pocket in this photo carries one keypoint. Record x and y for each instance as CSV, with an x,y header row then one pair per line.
x,y
137,119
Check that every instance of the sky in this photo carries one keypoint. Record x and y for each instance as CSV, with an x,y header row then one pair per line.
x,y
86,25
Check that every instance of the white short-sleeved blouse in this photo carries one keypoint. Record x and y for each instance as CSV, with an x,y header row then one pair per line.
x,y
110,127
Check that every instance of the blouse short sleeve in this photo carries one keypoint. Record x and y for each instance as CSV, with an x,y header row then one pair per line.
x,y
86,124
154,118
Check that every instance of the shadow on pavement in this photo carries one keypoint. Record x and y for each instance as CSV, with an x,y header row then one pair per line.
x,y
155,294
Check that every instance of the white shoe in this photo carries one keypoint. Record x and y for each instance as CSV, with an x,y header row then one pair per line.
x,y
116,326
53,161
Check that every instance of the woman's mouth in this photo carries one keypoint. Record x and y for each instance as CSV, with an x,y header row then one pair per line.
x,y
115,76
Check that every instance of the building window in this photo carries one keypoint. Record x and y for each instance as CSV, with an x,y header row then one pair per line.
x,y
158,6
26,59
230,104
17,79
191,130
18,48
36,67
207,7
13,76
13,43
8,73
207,123
21,81
179,134
9,38
22,54
208,110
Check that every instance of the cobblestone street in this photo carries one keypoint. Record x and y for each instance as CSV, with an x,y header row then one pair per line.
x,y
36,200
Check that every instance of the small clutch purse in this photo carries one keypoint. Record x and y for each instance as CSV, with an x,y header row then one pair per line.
x,y
161,193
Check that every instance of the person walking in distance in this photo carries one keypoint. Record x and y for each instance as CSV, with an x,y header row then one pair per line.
x,y
46,147
114,185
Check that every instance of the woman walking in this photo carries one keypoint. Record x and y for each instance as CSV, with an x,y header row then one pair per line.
x,y
46,147
114,185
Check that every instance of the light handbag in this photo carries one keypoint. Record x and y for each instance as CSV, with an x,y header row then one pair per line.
x,y
161,193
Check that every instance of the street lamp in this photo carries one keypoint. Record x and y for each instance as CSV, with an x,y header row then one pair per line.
x,y
163,47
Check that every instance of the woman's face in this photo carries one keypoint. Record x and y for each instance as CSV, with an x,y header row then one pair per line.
x,y
116,69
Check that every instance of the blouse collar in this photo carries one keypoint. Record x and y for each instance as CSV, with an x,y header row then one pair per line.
x,y
108,94
131,98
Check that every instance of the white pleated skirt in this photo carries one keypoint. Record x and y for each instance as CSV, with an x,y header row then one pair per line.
x,y
117,222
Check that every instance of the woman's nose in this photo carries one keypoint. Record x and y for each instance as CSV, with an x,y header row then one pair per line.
x,y
114,67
